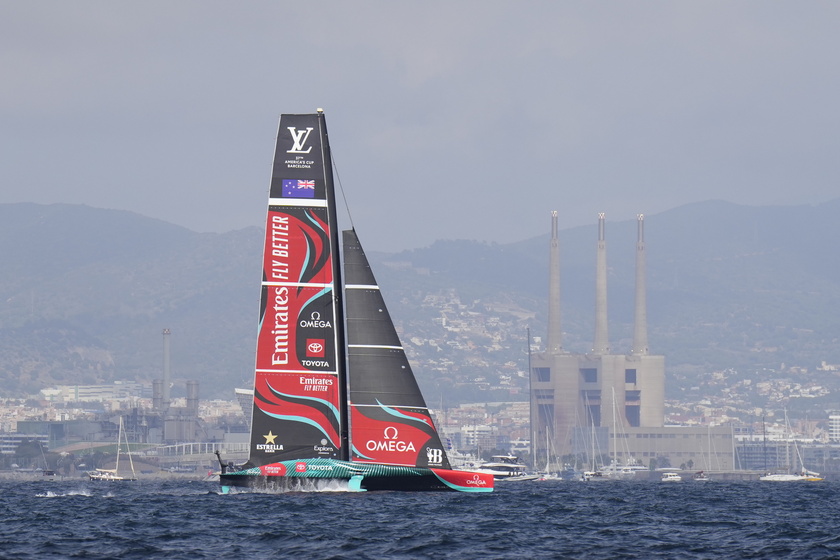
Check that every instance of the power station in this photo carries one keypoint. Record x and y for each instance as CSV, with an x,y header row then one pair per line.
x,y
178,424
602,404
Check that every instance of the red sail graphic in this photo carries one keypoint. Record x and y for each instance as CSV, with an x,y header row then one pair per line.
x,y
298,294
399,437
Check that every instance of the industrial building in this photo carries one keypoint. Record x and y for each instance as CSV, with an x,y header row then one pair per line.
x,y
605,405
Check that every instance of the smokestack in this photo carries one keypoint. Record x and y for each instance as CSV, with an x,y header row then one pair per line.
x,y
602,344
555,332
157,394
640,338
192,397
167,378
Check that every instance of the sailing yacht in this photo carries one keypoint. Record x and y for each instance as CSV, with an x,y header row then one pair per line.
x,y
113,475
617,470
335,400
802,475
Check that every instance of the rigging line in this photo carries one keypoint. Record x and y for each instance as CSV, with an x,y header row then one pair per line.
x,y
341,188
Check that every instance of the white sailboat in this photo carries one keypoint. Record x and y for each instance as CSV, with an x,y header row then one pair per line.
x,y
547,474
620,470
113,475
803,474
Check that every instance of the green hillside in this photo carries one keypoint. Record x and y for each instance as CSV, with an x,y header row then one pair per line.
x,y
85,294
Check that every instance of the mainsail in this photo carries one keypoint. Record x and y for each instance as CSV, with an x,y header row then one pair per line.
x,y
297,396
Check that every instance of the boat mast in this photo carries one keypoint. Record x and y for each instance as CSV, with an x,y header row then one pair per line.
x,y
119,442
128,448
338,288
533,420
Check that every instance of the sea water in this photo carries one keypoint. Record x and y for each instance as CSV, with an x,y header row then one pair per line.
x,y
522,520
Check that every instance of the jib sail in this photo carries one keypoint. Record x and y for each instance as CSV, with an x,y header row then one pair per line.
x,y
389,420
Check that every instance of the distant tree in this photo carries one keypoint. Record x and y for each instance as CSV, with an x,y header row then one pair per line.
x,y
28,452
65,463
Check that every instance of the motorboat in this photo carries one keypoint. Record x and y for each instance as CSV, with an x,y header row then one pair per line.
x,y
622,472
593,476
506,467
671,477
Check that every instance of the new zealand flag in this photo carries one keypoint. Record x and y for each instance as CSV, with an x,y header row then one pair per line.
x,y
298,188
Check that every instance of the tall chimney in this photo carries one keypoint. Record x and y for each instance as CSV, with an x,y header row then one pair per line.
x,y
157,394
555,333
640,338
602,344
167,381
192,397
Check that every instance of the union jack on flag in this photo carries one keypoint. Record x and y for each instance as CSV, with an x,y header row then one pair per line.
x,y
298,188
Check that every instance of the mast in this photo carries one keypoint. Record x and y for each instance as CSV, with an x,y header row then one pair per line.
x,y
119,442
338,292
127,448
533,419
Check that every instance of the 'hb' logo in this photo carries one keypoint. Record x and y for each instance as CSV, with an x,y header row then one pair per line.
x,y
435,456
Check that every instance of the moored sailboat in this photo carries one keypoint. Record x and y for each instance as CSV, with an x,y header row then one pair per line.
x,y
803,474
335,400
113,475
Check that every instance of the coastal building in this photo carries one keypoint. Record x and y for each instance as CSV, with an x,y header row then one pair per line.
x,y
834,428
118,390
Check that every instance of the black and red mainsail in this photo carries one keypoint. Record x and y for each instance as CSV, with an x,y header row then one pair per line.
x,y
297,386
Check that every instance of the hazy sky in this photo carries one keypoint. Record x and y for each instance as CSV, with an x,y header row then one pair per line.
x,y
448,120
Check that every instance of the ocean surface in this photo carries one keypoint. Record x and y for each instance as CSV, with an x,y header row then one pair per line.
x,y
523,520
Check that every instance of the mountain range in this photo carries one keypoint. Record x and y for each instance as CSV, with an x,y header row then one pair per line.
x,y
85,292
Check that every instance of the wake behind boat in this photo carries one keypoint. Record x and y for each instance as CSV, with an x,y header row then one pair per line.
x,y
335,400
